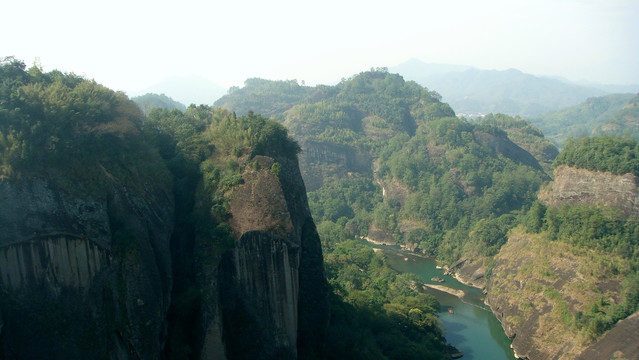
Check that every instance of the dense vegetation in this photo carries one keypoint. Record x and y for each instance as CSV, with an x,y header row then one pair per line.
x,y
453,188
530,138
618,155
269,98
375,312
455,180
377,309
624,122
62,121
449,173
444,186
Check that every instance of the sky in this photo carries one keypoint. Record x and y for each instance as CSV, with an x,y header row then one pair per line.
x,y
129,45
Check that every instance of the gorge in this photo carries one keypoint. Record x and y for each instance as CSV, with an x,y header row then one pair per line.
x,y
201,233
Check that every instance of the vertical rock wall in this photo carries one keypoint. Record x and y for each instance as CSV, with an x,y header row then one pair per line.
x,y
83,276
572,186
271,287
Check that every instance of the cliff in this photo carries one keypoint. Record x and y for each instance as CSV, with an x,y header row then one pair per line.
x,y
87,274
572,186
271,287
83,276
618,343
167,236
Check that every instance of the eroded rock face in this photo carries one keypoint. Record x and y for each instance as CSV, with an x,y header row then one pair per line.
x,y
56,260
536,288
536,283
271,286
88,274
259,204
83,276
619,343
573,186
260,294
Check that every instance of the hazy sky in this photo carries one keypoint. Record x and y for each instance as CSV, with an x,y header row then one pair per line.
x,y
129,45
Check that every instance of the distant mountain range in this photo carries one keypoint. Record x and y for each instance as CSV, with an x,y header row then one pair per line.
x,y
190,89
471,91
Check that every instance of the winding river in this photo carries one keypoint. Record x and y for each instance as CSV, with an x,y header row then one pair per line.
x,y
472,327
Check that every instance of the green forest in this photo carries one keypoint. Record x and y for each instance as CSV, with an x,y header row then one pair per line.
x,y
618,155
455,188
456,172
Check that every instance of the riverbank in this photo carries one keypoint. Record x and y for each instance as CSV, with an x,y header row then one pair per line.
x,y
455,292
447,289
470,326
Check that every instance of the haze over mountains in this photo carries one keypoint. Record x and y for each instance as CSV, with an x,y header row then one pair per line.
x,y
187,89
469,90
475,91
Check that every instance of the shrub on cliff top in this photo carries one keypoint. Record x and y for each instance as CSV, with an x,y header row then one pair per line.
x,y
615,154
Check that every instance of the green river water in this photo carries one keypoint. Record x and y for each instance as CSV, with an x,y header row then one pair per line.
x,y
472,328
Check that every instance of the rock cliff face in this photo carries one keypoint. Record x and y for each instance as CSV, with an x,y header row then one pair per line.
x,y
532,290
618,343
86,274
270,289
83,276
583,187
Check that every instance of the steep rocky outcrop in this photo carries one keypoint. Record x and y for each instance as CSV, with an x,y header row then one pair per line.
x,y
88,275
125,237
573,186
83,275
471,272
271,288
533,291
619,343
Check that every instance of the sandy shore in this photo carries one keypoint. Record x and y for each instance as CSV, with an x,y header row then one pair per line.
x,y
375,242
446,289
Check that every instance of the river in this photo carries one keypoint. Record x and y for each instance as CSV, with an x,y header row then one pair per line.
x,y
472,327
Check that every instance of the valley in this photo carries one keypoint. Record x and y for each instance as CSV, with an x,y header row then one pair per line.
x,y
174,233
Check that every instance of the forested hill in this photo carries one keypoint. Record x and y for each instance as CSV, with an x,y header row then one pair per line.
x,y
386,158
265,97
616,114
376,92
